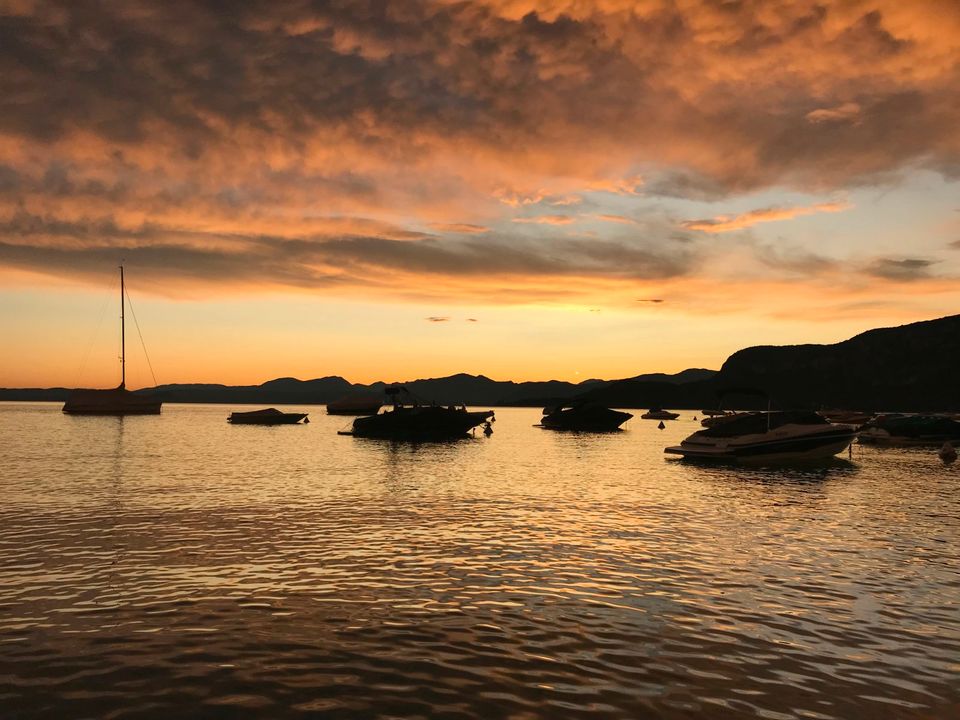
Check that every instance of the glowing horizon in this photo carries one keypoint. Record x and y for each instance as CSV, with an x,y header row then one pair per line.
x,y
585,189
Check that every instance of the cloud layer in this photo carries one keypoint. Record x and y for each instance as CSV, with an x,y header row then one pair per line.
x,y
365,146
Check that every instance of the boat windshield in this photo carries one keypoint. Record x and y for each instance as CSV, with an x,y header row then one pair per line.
x,y
755,423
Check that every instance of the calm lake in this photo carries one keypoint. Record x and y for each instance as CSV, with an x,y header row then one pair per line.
x,y
178,566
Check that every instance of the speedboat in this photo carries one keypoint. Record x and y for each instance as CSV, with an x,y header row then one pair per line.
x,y
899,429
782,436
658,414
357,405
270,416
418,421
584,416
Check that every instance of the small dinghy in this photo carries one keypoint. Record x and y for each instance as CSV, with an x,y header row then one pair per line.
x,y
270,416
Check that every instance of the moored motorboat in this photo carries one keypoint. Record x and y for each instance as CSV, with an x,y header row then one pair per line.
x,y
850,417
899,429
270,416
658,414
584,417
782,436
355,405
416,421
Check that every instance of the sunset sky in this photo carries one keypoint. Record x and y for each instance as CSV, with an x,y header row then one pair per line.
x,y
525,189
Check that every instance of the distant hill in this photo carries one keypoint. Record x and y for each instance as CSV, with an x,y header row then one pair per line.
x,y
911,367
454,389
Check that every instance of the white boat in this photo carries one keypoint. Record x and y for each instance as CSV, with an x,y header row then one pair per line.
x,y
783,436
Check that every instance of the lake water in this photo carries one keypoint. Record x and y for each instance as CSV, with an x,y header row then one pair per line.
x,y
180,566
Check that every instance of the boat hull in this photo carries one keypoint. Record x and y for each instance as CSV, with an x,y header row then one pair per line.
x,y
419,423
769,448
274,421
265,417
110,402
585,420
663,415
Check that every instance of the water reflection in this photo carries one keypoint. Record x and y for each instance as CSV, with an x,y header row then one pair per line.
x,y
160,565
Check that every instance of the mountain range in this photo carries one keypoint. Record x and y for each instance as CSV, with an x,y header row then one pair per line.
x,y
911,367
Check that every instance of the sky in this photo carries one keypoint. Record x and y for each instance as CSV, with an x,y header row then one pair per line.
x,y
527,189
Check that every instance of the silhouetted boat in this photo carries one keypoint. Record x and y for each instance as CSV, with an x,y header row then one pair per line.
x,y
851,417
357,405
418,422
910,430
714,413
270,416
658,414
781,436
585,416
119,400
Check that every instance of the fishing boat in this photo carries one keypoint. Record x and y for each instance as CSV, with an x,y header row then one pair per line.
x,y
658,414
415,421
118,400
270,416
778,436
584,417
898,429
354,405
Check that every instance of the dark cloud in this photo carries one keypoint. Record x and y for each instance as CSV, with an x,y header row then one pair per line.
x,y
87,246
297,142
900,269
191,75
650,300
438,319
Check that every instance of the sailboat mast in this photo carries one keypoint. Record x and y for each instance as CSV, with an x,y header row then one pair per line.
x,y
123,340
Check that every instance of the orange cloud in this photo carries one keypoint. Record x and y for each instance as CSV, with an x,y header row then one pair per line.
x,y
547,220
728,223
847,112
460,228
621,219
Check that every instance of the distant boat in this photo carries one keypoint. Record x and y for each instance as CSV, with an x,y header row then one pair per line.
x,y
781,436
897,429
355,405
270,416
119,400
658,414
416,421
584,417
850,417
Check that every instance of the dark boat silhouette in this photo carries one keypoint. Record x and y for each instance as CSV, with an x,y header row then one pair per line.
x,y
416,421
118,400
583,416
778,436
658,414
355,405
270,416
900,429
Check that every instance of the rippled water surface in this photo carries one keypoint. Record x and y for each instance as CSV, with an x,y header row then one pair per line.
x,y
179,566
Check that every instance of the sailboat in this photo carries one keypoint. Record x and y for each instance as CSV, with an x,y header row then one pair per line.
x,y
119,400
